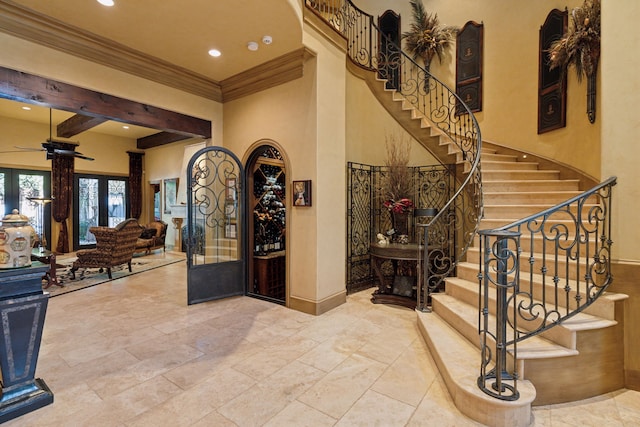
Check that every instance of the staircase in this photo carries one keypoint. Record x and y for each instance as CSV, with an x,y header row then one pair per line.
x,y
578,358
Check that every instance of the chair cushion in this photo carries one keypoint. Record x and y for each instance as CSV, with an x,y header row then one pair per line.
x,y
148,233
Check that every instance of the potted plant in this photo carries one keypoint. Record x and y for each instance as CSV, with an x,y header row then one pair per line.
x,y
580,47
398,187
426,38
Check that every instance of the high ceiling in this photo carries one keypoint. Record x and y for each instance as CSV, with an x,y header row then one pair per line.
x,y
178,34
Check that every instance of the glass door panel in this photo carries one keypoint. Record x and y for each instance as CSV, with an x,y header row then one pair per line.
x,y
98,200
116,202
88,209
3,195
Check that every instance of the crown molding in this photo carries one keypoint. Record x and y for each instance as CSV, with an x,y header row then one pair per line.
x,y
272,73
44,30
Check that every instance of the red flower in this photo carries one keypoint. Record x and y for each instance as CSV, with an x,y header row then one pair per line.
x,y
400,206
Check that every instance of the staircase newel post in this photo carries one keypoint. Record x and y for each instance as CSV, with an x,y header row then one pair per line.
x,y
422,290
498,263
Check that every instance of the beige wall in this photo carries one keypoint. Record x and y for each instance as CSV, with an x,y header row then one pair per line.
x,y
510,76
620,156
368,126
284,116
308,125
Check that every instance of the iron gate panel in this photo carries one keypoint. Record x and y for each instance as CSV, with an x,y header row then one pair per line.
x,y
216,226
366,215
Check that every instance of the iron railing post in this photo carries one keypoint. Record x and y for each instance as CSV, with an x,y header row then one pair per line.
x,y
502,261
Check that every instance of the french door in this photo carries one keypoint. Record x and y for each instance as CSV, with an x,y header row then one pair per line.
x,y
29,191
98,200
216,226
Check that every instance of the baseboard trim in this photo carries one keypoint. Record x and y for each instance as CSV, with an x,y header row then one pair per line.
x,y
632,379
318,307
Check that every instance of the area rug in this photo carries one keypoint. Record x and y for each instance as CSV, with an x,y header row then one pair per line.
x,y
87,277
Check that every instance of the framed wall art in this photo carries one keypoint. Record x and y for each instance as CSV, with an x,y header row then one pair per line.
x,y
302,193
170,193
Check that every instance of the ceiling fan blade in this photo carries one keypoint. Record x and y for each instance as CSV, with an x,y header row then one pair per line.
x,y
27,148
71,153
82,156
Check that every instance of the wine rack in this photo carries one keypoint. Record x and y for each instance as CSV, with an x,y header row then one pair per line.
x,y
269,210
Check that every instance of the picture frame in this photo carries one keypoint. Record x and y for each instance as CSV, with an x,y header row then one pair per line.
x,y
170,187
230,185
230,231
302,193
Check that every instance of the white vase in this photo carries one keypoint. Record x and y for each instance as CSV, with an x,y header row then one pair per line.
x,y
16,240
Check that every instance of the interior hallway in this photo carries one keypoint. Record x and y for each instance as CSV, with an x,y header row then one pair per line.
x,y
130,352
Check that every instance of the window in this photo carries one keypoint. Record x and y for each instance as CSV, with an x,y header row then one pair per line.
x,y
98,200
17,187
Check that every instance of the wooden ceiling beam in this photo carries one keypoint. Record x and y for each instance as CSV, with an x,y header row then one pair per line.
x,y
77,124
28,88
159,139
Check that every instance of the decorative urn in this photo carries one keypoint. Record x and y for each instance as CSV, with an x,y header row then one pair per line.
x,y
16,239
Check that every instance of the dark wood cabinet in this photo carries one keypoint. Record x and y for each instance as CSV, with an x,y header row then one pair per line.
x,y
270,275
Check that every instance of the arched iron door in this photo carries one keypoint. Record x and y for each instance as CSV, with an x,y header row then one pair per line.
x,y
216,226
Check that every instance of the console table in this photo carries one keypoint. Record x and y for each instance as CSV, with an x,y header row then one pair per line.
x,y
23,306
401,290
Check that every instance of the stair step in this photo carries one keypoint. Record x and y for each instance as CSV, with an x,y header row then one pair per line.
x,y
520,175
523,211
458,363
603,307
464,318
490,165
527,197
559,268
495,185
491,155
563,334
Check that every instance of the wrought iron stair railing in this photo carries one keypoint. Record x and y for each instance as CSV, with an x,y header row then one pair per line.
x,y
451,231
569,266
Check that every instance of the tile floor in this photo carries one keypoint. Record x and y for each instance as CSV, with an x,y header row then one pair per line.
x,y
132,353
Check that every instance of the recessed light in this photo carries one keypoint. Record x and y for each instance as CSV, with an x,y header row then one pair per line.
x,y
106,2
252,46
125,127
26,108
215,53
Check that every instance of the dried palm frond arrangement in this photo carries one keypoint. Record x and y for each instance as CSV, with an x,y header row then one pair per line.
x,y
580,47
398,187
426,38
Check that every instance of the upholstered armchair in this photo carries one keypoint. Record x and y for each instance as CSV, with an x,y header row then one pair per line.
x,y
152,237
114,246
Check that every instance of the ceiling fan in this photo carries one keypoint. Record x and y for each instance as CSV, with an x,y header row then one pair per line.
x,y
53,147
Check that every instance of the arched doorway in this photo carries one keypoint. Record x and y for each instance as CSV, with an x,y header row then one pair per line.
x,y
266,179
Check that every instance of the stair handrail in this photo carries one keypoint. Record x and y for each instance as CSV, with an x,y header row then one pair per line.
x,y
448,234
569,254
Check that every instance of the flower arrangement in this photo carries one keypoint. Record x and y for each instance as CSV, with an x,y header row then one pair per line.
x,y
398,186
399,206
580,45
426,38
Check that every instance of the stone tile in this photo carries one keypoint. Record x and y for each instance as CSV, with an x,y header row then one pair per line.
x,y
343,386
269,397
408,378
133,353
375,409
300,415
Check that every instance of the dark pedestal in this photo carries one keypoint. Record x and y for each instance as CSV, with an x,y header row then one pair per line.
x,y
399,289
23,306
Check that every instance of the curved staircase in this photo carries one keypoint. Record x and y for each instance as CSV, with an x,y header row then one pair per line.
x,y
578,357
